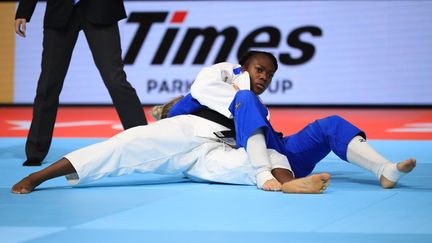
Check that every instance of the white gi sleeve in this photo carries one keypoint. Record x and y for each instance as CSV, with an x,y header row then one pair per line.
x,y
277,160
262,177
211,90
257,152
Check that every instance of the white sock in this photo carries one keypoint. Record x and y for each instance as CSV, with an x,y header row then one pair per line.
x,y
257,153
359,152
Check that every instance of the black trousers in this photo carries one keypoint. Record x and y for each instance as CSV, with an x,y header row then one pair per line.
x,y
58,45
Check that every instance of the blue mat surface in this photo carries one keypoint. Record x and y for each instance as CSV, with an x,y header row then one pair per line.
x,y
154,208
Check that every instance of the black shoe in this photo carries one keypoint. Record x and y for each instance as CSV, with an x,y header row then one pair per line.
x,y
32,162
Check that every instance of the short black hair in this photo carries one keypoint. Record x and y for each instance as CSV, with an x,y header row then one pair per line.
x,y
248,55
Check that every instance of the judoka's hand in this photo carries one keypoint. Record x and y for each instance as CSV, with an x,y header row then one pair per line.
x,y
236,87
20,27
272,185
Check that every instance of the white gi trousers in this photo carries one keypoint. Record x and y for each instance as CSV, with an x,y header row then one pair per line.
x,y
179,145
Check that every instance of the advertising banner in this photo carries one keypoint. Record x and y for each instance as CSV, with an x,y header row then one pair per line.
x,y
329,52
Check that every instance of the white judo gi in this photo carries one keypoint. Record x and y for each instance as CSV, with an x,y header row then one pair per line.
x,y
183,144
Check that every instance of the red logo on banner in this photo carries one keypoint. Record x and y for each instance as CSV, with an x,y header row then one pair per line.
x,y
179,17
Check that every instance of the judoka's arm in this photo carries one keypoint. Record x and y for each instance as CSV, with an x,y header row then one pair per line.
x,y
257,153
210,90
279,166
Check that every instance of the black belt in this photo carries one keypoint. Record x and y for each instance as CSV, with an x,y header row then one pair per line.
x,y
215,117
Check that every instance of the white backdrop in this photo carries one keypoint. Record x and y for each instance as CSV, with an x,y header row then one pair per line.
x,y
366,52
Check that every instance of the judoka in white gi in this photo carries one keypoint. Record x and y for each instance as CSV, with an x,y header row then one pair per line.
x,y
187,144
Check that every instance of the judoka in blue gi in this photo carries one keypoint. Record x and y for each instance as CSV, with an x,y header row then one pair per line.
x,y
303,149
190,144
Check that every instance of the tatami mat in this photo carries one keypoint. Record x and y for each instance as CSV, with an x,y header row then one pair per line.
x,y
153,208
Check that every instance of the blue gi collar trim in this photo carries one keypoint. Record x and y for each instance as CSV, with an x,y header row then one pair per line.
x,y
237,71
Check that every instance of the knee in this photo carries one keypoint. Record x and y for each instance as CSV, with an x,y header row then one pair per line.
x,y
331,123
336,125
334,119
340,123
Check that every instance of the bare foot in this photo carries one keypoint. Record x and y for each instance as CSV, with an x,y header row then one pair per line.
x,y
24,186
272,185
316,183
405,166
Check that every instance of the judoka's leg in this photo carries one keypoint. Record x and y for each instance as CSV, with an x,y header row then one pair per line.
x,y
359,152
224,164
349,143
307,147
220,163
60,168
310,145
158,147
88,163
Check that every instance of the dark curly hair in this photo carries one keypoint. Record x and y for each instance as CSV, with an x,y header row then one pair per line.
x,y
248,55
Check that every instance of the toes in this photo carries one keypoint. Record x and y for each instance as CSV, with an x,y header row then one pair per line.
x,y
325,176
407,165
17,191
323,188
23,187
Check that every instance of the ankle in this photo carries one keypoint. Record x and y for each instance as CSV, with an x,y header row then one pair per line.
x,y
392,173
35,179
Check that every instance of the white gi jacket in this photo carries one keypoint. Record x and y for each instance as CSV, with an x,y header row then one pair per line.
x,y
183,144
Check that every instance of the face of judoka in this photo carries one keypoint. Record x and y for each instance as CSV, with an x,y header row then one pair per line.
x,y
261,70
